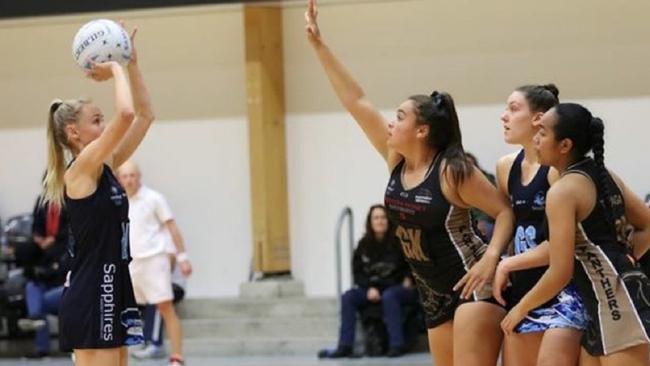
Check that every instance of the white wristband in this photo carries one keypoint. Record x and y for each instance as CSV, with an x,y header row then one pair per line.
x,y
182,257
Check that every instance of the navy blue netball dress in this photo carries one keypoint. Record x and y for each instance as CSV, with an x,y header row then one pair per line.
x,y
529,204
98,308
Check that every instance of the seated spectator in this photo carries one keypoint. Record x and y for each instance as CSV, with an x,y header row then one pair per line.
x,y
46,274
381,275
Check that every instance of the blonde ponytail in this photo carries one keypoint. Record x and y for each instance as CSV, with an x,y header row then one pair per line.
x,y
60,114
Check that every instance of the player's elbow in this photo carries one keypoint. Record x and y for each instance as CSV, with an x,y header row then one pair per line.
x,y
126,114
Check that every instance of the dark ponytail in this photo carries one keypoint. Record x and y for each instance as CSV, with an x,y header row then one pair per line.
x,y
438,111
577,124
597,141
597,132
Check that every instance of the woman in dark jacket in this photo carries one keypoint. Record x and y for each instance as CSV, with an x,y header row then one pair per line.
x,y
381,275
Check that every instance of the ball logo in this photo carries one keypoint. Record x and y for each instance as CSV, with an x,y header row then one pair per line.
x,y
86,42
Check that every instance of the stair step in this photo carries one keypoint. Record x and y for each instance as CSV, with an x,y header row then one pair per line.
x,y
260,327
257,308
270,346
274,288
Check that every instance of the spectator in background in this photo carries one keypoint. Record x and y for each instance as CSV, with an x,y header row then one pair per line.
x,y
46,272
154,325
482,221
151,226
381,275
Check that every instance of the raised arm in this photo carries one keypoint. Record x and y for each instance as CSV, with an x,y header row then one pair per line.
x,y
81,178
143,111
349,91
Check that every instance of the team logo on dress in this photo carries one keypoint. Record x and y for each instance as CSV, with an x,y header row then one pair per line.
x,y
423,195
117,197
539,202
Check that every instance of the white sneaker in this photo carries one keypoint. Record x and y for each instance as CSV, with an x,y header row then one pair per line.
x,y
28,325
149,352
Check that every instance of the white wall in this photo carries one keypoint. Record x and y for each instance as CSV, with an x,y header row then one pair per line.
x,y
331,165
22,163
202,169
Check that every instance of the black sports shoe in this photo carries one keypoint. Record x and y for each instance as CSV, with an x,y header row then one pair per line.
x,y
339,352
37,355
396,351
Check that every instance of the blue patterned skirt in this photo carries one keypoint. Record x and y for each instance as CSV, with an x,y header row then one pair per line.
x,y
567,311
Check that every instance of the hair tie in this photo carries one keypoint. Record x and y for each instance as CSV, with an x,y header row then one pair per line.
x,y
438,99
56,103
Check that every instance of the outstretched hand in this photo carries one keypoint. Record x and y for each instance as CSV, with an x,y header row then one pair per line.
x,y
313,32
134,54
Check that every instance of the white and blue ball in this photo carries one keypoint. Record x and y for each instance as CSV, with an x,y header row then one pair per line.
x,y
101,40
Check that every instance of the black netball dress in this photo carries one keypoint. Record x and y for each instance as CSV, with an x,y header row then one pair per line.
x,y
615,291
438,241
98,309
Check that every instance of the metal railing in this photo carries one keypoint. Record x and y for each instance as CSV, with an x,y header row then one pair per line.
x,y
346,213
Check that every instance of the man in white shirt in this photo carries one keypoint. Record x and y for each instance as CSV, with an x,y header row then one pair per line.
x,y
152,225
